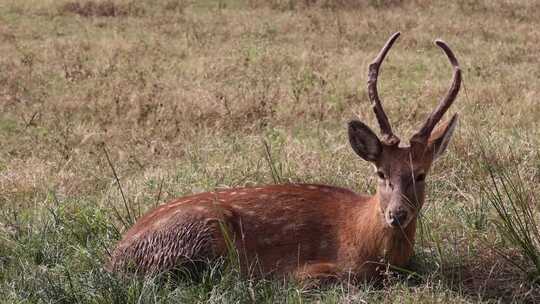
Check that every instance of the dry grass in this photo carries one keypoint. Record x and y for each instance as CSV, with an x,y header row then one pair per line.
x,y
183,93
95,9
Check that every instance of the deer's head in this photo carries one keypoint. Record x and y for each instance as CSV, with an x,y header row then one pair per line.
x,y
402,169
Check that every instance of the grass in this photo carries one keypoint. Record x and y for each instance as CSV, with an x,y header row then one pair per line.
x,y
187,96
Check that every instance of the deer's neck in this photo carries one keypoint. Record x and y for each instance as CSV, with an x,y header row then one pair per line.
x,y
392,245
398,245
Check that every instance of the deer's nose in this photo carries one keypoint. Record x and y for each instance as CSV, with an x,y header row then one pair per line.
x,y
397,218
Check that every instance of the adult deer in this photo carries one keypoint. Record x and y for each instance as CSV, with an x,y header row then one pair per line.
x,y
303,230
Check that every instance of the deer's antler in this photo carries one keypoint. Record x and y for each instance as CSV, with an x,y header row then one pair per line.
x,y
422,136
388,136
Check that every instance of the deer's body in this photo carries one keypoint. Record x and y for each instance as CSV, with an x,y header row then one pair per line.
x,y
307,231
294,229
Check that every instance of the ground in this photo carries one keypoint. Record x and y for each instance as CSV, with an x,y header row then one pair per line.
x,y
181,97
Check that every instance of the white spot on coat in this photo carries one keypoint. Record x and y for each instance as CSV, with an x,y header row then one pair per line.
x,y
236,206
199,208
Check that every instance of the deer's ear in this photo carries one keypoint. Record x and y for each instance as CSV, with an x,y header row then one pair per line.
x,y
364,142
440,137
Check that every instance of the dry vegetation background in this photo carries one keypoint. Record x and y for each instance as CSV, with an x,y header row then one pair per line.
x,y
182,95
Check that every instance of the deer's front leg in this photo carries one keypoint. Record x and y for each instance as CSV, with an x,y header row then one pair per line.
x,y
320,272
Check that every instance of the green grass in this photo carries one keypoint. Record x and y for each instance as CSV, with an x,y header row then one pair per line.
x,y
187,96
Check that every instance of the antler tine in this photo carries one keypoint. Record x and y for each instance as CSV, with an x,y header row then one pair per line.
x,y
435,116
388,136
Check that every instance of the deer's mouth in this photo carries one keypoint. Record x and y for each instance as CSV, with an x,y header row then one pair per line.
x,y
398,219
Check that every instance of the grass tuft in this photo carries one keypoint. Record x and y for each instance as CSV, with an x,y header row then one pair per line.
x,y
518,210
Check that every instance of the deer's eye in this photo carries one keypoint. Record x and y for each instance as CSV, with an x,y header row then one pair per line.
x,y
381,175
420,177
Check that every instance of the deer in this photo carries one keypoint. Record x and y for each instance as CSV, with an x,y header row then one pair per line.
x,y
305,231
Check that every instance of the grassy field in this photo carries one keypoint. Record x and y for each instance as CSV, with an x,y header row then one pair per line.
x,y
181,97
